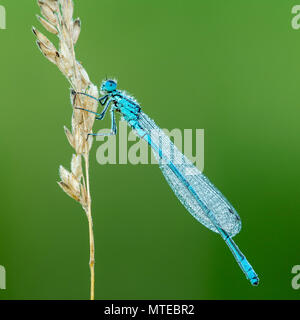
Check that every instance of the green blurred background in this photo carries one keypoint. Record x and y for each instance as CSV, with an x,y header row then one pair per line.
x,y
231,67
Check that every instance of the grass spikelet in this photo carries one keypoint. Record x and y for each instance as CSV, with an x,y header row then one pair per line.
x,y
58,19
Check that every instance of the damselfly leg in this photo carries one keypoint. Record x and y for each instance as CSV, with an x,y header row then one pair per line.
x,y
96,113
100,117
113,131
102,100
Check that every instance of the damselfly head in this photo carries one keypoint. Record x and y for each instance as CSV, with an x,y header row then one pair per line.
x,y
108,86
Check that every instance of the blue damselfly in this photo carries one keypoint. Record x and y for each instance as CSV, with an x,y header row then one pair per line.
x,y
199,196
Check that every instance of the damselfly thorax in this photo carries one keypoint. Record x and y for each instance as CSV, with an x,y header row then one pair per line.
x,y
126,105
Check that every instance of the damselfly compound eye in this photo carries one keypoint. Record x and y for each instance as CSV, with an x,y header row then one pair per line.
x,y
109,85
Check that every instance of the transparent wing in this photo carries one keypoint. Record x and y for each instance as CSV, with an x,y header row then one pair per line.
x,y
224,214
